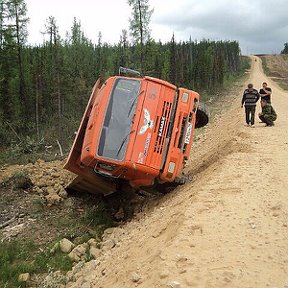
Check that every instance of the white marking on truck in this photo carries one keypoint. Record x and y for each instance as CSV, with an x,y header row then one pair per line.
x,y
147,123
188,133
161,127
147,143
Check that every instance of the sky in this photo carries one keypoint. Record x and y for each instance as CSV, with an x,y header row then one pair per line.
x,y
260,26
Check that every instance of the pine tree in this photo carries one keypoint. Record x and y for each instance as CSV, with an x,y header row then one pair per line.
x,y
17,15
285,50
139,25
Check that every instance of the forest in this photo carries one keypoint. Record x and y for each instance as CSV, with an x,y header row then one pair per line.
x,y
44,89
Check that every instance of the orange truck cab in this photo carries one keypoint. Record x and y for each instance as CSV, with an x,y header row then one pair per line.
x,y
137,129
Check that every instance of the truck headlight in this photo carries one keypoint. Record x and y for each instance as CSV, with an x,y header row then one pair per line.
x,y
171,167
185,97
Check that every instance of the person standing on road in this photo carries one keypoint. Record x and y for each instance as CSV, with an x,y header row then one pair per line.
x,y
249,100
265,92
268,114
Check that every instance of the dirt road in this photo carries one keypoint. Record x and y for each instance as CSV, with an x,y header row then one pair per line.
x,y
228,228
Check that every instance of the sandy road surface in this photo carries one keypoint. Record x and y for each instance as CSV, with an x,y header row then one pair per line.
x,y
228,228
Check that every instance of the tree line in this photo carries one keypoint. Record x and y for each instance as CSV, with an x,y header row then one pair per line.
x,y
44,89
285,49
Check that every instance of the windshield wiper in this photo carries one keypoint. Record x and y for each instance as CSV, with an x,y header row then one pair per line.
x,y
133,102
123,141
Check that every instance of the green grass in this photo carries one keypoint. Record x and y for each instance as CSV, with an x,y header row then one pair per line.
x,y
99,219
265,66
91,224
282,83
18,257
8,156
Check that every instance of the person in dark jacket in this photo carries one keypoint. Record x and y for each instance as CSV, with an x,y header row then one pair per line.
x,y
265,92
249,100
268,114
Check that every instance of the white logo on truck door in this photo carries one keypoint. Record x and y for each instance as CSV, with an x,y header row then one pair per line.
x,y
147,123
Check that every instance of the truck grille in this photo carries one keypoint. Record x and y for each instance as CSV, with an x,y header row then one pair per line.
x,y
162,124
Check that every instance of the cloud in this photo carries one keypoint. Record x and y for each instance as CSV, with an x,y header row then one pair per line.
x,y
261,26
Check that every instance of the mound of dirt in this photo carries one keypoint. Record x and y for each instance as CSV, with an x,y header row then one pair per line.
x,y
45,178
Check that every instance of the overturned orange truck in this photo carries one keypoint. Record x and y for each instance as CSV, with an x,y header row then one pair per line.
x,y
136,130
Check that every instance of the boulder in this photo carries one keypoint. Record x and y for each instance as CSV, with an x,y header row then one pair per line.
x,y
78,252
66,246
108,244
92,242
135,277
24,277
94,252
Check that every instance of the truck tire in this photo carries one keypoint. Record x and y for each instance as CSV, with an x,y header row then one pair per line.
x,y
167,187
202,116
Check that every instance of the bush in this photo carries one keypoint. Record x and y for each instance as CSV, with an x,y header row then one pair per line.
x,y
27,146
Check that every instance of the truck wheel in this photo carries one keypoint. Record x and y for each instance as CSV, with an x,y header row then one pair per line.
x,y
167,187
202,116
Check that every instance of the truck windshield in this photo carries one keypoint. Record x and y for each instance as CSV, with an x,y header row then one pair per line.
x,y
118,119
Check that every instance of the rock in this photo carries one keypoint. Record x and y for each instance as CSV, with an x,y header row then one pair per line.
x,y
73,256
52,199
174,284
135,277
107,233
164,274
65,245
55,175
108,244
37,190
41,183
78,252
24,277
13,231
57,187
92,242
94,252
77,268
51,191
85,285
40,162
